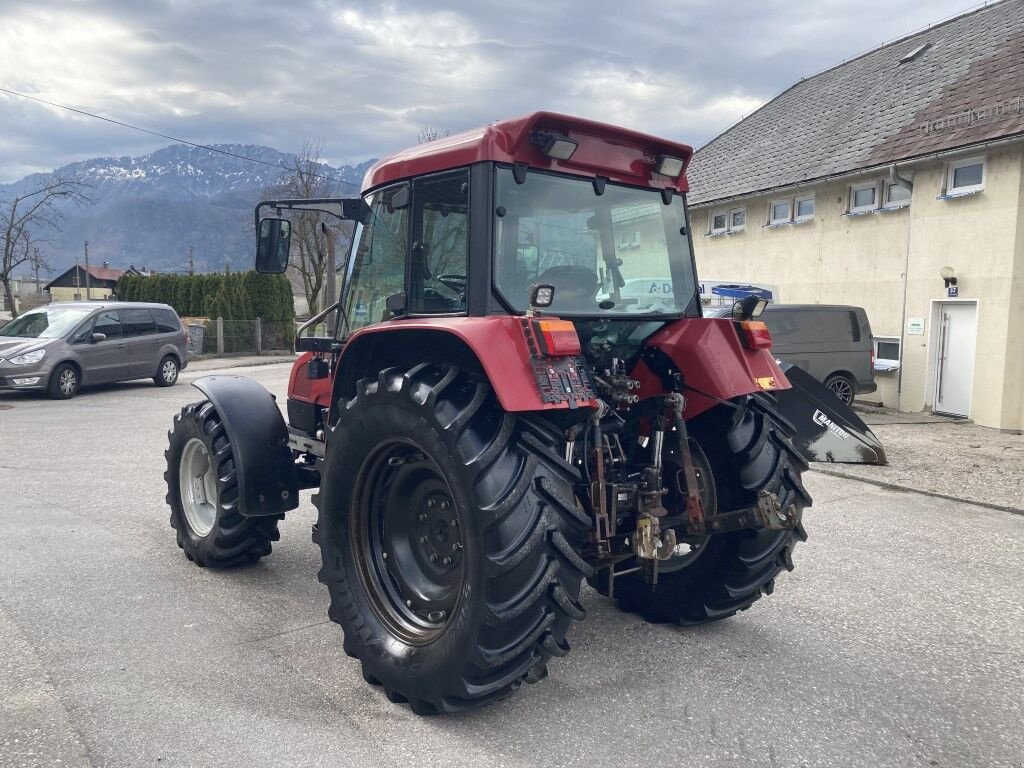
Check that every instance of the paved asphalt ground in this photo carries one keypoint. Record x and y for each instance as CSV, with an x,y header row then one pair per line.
x,y
897,641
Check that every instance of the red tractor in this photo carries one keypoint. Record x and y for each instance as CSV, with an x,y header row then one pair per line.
x,y
520,393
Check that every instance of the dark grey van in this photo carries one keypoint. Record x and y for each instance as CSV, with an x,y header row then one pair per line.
x,y
61,347
831,342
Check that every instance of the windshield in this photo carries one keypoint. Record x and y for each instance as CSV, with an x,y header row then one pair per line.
x,y
621,252
45,323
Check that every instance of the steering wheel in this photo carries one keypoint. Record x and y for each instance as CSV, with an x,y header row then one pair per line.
x,y
455,282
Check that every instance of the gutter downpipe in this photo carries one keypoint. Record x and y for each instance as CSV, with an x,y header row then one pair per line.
x,y
895,178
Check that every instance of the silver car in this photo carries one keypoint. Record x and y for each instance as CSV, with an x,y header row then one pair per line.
x,y
62,347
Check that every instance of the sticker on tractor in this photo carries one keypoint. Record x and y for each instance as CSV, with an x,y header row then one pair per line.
x,y
766,382
831,426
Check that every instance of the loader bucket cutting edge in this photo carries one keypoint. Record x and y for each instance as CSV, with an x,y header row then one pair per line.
x,y
826,428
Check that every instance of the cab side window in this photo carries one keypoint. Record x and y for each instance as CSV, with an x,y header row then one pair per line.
x,y
440,247
377,266
109,324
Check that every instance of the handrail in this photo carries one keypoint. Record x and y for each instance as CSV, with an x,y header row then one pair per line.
x,y
316,318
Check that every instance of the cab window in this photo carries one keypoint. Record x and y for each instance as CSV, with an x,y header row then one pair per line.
x,y
440,247
377,264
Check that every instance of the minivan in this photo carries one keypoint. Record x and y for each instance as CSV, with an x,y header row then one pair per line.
x,y
831,342
58,348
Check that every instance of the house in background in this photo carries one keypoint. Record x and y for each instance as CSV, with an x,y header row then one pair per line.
x,y
77,284
894,181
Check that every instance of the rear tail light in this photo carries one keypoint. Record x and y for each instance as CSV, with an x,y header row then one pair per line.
x,y
755,334
557,338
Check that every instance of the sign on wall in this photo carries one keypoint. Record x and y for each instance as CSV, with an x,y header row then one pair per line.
x,y
915,326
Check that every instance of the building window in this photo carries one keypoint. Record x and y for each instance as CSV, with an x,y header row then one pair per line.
x,y
887,353
719,222
896,195
863,197
803,209
966,176
780,212
629,239
737,219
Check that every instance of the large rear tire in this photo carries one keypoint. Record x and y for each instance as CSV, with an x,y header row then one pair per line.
x,y
449,534
745,451
202,492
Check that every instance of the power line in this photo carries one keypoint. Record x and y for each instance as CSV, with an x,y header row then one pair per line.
x,y
161,135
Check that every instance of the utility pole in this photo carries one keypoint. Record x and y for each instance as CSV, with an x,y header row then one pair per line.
x,y
78,281
88,283
191,261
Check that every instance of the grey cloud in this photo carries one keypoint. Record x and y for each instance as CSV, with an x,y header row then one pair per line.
x,y
281,73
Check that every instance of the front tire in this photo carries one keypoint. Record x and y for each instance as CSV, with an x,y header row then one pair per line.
x,y
64,382
747,451
422,466
202,492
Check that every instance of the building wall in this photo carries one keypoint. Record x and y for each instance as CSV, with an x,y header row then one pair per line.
x,y
96,293
869,260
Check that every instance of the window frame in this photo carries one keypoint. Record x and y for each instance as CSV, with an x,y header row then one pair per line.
x,y
955,165
886,199
415,232
797,218
712,230
788,202
732,212
895,363
854,189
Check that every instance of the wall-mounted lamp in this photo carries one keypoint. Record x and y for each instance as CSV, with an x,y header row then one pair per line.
x,y
948,276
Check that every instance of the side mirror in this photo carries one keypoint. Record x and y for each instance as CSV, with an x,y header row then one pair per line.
x,y
272,245
98,337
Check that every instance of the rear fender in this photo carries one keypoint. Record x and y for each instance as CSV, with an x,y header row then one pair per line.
x,y
713,363
267,479
496,346
826,428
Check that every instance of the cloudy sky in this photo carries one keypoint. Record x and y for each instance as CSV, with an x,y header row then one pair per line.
x,y
363,77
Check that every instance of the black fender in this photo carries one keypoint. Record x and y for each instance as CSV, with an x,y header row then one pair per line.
x,y
267,477
826,428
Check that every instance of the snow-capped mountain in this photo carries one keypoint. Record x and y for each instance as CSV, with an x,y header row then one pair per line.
x,y
147,210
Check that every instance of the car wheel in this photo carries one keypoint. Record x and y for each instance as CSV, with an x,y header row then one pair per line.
x,y
841,386
167,373
64,382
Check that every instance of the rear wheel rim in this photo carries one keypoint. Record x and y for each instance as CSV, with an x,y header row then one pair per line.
x,y
169,371
68,382
197,480
841,388
407,538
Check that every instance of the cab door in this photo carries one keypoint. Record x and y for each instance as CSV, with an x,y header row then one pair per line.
x,y
105,360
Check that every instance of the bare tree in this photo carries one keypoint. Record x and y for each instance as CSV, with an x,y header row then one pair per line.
x,y
307,177
25,219
428,134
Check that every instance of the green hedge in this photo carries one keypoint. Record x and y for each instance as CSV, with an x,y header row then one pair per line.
x,y
237,297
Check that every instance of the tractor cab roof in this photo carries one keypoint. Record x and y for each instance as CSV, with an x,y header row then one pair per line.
x,y
618,154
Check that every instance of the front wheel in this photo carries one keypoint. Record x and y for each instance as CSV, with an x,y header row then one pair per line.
x,y
64,382
449,535
738,454
202,492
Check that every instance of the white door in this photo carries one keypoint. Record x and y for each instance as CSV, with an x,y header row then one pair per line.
x,y
958,332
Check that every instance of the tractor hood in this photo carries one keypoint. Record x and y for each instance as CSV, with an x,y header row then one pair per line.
x,y
826,428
